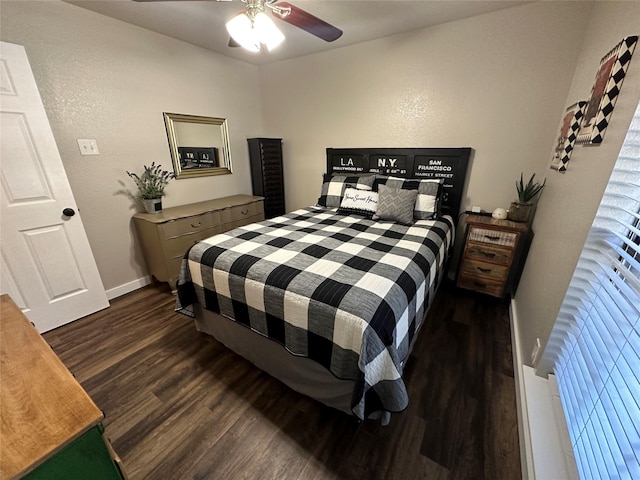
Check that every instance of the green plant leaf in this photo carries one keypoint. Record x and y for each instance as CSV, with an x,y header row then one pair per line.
x,y
528,192
152,182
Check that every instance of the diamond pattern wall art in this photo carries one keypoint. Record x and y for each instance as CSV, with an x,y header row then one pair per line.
x,y
567,137
613,68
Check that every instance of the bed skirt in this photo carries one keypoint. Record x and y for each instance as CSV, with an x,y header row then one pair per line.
x,y
298,373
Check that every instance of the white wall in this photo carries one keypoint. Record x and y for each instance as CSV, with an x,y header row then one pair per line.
x,y
496,83
570,201
104,79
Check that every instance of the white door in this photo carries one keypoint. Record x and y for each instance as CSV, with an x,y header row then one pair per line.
x,y
47,264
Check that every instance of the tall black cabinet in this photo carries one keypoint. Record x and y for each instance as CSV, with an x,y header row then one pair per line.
x,y
265,155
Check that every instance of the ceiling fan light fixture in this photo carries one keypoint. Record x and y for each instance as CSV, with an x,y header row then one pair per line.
x,y
267,31
241,30
253,28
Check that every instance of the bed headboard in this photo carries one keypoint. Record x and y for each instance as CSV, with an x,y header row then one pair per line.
x,y
420,163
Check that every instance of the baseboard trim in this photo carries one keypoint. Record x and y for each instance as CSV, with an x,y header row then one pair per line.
x,y
128,287
524,429
545,448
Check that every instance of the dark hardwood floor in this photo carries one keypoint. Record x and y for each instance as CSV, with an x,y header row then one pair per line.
x,y
179,405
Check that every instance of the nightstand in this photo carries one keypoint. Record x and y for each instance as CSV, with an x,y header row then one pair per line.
x,y
493,255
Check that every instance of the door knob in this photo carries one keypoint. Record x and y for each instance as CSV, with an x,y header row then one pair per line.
x,y
68,212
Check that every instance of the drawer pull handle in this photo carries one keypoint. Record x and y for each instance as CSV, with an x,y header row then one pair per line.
x,y
484,270
196,225
492,237
244,212
479,284
487,254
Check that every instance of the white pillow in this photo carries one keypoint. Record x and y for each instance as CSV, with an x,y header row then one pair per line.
x,y
359,202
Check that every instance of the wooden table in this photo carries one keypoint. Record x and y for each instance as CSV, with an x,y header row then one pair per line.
x,y
43,409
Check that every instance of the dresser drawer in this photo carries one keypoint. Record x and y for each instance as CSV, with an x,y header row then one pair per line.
x,y
241,223
493,237
241,213
488,253
173,267
178,246
483,269
189,225
482,285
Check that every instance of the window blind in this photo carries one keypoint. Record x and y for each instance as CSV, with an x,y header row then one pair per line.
x,y
594,347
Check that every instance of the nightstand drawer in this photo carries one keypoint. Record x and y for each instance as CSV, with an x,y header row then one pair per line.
x,y
494,237
482,285
489,253
241,212
485,270
188,225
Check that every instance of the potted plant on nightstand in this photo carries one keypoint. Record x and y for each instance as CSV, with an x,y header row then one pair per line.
x,y
151,184
522,209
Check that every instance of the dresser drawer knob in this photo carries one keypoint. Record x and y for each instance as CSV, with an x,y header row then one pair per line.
x,y
244,212
196,225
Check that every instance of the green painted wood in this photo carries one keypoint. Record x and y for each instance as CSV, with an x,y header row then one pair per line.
x,y
86,458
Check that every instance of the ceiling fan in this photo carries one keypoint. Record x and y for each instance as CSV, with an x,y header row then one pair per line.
x,y
252,28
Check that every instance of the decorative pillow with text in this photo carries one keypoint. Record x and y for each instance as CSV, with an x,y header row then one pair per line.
x,y
358,202
333,187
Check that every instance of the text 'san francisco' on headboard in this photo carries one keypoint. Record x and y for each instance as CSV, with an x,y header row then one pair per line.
x,y
428,166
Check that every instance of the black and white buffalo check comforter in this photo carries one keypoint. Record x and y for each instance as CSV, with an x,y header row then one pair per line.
x,y
345,291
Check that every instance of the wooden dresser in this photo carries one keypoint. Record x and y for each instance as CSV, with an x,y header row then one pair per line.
x,y
50,428
166,237
493,255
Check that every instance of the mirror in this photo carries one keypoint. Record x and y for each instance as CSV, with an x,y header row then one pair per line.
x,y
199,145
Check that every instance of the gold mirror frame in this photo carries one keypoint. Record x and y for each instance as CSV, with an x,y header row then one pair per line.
x,y
205,150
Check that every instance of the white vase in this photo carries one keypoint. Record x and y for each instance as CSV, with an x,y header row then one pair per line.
x,y
152,205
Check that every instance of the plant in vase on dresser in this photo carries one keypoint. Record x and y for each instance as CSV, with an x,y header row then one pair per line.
x,y
522,209
151,184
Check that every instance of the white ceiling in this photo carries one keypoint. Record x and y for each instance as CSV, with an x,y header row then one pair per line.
x,y
203,22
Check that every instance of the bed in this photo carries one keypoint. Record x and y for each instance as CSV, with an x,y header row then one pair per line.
x,y
330,298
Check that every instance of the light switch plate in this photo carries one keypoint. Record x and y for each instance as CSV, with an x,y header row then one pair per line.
x,y
88,147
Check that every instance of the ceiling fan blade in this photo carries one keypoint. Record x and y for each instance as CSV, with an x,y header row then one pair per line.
x,y
309,23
